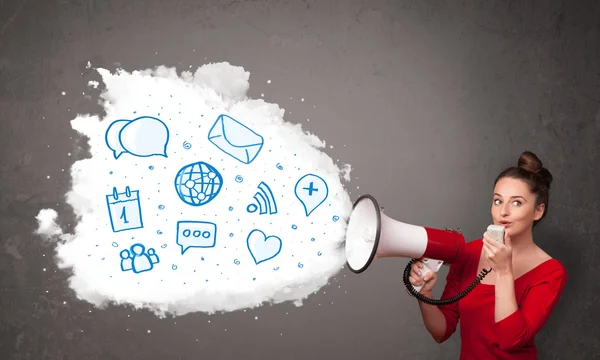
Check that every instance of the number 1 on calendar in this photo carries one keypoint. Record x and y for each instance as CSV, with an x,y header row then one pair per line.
x,y
124,216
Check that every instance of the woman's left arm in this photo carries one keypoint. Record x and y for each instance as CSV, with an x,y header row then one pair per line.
x,y
500,258
515,325
519,327
506,302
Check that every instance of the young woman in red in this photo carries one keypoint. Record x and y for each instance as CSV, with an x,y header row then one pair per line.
x,y
501,316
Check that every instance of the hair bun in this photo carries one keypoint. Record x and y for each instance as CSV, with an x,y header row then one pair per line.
x,y
530,162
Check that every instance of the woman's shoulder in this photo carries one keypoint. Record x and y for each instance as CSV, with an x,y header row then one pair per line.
x,y
474,247
550,273
471,254
552,265
547,269
474,243
553,268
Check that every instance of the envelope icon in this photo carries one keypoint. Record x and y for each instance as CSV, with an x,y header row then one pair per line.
x,y
235,139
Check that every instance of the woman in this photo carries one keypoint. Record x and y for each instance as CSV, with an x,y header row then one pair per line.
x,y
501,316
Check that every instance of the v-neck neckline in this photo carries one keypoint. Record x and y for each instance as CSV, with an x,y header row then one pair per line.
x,y
521,276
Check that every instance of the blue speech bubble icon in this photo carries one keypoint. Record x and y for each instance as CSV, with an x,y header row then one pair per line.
x,y
312,191
144,136
199,234
112,137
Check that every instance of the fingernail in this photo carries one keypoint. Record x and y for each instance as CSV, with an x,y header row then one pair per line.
x,y
419,272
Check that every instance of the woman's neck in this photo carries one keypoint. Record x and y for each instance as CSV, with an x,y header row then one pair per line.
x,y
522,244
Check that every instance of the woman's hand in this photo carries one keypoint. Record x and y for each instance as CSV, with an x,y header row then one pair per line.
x,y
498,255
427,281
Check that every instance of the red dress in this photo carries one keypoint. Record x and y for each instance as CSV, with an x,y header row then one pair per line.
x,y
537,292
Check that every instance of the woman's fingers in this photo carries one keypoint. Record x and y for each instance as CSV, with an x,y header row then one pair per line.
x,y
488,252
415,281
415,278
491,242
489,248
417,274
417,270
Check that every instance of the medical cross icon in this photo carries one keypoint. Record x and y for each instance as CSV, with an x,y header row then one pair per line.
x,y
310,189
304,189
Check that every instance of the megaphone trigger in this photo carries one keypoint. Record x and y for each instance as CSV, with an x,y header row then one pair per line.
x,y
429,266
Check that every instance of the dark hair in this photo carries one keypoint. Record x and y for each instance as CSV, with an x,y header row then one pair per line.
x,y
531,170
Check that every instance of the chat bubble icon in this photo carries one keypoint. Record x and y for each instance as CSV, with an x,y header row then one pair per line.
x,y
144,136
196,234
112,137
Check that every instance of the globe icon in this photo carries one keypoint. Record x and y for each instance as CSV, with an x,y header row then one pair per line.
x,y
198,183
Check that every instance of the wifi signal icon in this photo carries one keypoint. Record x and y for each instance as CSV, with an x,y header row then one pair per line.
x,y
265,199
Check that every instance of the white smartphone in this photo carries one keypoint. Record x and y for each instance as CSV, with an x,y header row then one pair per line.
x,y
496,232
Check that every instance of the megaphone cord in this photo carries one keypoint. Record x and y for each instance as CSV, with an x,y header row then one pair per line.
x,y
451,300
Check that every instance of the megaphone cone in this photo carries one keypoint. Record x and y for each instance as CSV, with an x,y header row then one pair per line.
x,y
371,234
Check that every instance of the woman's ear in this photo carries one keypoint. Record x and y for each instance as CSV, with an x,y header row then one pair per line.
x,y
539,211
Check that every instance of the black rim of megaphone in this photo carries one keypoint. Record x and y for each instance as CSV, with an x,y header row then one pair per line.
x,y
378,233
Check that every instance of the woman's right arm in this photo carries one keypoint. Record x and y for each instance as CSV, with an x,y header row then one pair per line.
x,y
436,320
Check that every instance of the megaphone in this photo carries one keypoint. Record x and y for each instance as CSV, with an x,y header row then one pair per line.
x,y
371,235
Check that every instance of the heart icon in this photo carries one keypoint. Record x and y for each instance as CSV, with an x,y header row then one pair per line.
x,y
261,247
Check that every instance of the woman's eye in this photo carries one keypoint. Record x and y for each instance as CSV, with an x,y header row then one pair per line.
x,y
517,202
497,202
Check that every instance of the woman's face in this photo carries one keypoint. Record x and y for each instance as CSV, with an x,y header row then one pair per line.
x,y
513,206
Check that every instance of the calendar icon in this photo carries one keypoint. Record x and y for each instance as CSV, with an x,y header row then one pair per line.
x,y
124,210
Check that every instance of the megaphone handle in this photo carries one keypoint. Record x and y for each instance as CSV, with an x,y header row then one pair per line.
x,y
411,289
430,265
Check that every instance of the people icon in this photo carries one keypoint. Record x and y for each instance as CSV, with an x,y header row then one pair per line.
x,y
137,260
153,257
126,262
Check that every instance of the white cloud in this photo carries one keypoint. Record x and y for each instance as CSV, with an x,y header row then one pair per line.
x,y
47,223
224,277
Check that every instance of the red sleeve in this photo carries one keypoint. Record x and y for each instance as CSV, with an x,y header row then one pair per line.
x,y
452,288
522,325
